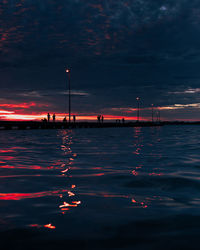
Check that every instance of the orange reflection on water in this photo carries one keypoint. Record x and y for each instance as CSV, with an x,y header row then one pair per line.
x,y
146,202
113,195
74,204
134,173
105,195
50,226
65,171
7,166
70,194
137,151
143,205
6,157
21,196
155,174
88,175
35,225
67,141
64,209
138,141
32,167
137,132
139,204
6,150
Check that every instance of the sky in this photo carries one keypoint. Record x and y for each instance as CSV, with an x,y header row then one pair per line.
x,y
117,50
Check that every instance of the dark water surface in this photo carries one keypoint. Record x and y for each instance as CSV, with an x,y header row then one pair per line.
x,y
129,188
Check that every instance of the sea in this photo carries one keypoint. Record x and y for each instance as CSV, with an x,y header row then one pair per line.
x,y
100,188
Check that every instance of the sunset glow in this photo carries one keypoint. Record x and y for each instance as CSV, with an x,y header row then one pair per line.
x,y
99,124
36,111
11,115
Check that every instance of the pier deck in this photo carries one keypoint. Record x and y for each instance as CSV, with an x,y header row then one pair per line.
x,y
25,125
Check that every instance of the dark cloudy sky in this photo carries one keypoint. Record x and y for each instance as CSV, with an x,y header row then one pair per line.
x,y
116,49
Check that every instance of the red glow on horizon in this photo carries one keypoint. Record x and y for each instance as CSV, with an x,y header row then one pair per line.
x,y
9,115
6,112
13,116
17,115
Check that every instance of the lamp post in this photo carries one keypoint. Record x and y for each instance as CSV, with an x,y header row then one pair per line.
x,y
138,109
159,115
152,112
69,94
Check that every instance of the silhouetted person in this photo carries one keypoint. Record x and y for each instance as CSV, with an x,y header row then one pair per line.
x,y
74,118
123,120
98,118
54,117
64,120
102,118
44,120
48,117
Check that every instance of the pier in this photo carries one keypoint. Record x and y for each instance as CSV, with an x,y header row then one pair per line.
x,y
26,125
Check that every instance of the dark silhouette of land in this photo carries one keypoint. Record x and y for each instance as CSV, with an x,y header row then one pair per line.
x,y
12,125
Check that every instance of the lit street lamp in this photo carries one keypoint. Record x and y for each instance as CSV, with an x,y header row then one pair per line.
x,y
69,94
138,109
152,112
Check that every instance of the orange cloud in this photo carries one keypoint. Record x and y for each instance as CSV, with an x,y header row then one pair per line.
x,y
6,112
24,105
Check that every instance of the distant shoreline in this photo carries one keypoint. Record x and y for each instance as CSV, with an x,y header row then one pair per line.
x,y
26,125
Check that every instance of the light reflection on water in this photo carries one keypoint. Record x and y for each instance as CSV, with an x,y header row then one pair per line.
x,y
53,179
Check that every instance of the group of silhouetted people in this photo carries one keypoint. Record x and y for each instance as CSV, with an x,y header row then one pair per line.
x,y
119,121
74,119
49,117
100,118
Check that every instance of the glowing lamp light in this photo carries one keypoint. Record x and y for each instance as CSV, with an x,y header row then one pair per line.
x,y
138,98
67,70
